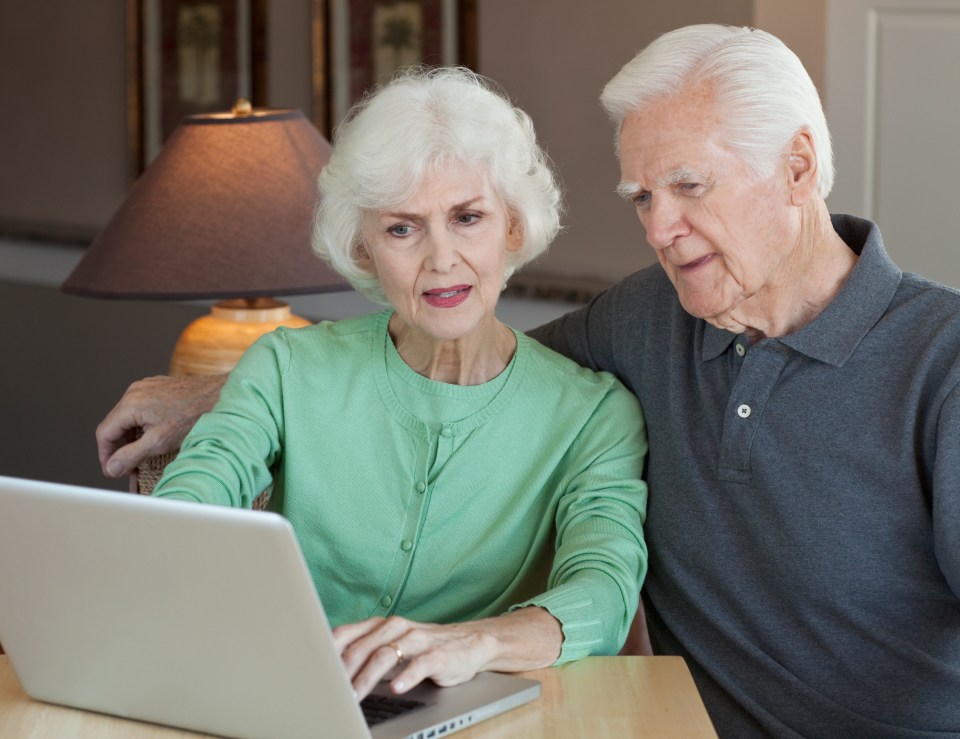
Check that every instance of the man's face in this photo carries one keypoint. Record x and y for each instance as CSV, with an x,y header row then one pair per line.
x,y
723,234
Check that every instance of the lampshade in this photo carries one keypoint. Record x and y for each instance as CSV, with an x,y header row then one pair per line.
x,y
224,211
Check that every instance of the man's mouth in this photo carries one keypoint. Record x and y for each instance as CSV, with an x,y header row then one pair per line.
x,y
696,263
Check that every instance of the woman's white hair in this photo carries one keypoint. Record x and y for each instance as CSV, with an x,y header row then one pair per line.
x,y
422,119
764,94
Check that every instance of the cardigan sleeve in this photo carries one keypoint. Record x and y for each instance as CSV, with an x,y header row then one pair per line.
x,y
227,457
601,557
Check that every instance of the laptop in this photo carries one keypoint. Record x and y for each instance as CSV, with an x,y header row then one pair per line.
x,y
194,616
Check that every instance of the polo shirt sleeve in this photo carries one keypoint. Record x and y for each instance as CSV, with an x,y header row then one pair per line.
x,y
601,556
227,457
946,491
584,335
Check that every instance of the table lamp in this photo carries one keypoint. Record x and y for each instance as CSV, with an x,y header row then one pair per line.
x,y
224,211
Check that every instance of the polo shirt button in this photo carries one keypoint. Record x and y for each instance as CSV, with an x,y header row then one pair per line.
x,y
743,411
740,350
406,545
421,487
385,601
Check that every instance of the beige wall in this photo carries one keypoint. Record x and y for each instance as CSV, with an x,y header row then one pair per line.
x,y
800,25
63,127
554,57
63,161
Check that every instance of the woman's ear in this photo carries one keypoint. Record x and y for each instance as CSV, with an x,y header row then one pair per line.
x,y
363,259
515,233
802,168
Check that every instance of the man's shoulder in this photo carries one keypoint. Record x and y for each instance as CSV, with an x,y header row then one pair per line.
x,y
650,282
640,307
917,286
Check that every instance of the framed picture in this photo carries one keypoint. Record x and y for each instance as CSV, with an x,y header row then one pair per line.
x,y
360,43
187,57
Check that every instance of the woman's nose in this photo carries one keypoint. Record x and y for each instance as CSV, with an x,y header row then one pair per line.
x,y
442,254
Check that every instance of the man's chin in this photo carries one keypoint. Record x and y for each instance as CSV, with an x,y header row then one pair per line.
x,y
717,318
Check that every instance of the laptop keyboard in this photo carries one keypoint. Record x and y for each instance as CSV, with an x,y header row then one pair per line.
x,y
379,708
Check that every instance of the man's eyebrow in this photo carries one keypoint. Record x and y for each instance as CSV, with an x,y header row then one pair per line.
x,y
681,175
630,190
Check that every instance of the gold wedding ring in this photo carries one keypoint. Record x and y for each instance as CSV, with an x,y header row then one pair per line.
x,y
396,648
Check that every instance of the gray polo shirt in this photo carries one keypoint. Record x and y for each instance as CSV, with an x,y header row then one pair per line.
x,y
804,511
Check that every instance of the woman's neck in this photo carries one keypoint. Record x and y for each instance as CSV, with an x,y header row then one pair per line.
x,y
469,360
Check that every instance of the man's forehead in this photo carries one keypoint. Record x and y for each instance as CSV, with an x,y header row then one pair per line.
x,y
666,170
667,155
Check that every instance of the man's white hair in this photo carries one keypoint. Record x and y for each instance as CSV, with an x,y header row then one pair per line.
x,y
764,94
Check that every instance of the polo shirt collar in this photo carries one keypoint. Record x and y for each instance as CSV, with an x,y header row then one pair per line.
x,y
834,335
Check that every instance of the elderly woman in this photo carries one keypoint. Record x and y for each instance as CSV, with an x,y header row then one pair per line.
x,y
465,499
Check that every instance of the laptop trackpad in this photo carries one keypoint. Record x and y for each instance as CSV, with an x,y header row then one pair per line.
x,y
440,711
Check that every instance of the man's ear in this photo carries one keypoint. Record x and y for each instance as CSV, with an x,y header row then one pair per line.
x,y
802,168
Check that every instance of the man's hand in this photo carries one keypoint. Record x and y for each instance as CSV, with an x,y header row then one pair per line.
x,y
165,408
525,639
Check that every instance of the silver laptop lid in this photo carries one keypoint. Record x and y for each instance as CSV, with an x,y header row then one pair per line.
x,y
195,616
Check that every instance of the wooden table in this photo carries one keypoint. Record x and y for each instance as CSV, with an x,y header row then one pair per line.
x,y
597,697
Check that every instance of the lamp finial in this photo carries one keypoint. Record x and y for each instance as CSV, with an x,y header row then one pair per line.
x,y
242,108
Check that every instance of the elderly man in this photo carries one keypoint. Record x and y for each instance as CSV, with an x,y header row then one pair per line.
x,y
802,402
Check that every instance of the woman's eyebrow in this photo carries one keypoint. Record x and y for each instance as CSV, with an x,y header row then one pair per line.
x,y
412,216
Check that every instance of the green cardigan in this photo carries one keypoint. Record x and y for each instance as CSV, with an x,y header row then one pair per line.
x,y
404,505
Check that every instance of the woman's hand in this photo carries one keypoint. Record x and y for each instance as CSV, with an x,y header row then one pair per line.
x,y
526,639
166,408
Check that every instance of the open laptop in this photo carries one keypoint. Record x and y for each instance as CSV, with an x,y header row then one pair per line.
x,y
194,616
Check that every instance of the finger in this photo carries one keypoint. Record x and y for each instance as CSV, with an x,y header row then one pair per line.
x,y
347,634
382,660
127,458
362,638
107,447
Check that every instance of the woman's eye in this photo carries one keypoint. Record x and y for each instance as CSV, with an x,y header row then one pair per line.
x,y
401,229
468,218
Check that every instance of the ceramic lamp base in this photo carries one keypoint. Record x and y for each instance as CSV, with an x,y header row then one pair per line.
x,y
213,344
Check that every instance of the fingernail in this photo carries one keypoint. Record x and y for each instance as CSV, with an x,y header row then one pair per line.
x,y
399,686
355,696
115,468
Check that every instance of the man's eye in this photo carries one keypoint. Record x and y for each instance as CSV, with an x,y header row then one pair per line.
x,y
641,198
401,229
690,187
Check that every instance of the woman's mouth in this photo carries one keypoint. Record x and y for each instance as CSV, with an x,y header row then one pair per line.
x,y
447,297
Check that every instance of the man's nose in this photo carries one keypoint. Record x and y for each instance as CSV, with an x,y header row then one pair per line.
x,y
664,222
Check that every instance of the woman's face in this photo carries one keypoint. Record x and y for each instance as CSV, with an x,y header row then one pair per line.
x,y
440,256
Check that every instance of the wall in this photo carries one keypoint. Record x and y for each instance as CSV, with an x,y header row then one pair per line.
x,y
63,163
554,57
64,151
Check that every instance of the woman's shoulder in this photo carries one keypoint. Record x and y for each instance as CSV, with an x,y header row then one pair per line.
x,y
344,330
556,373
